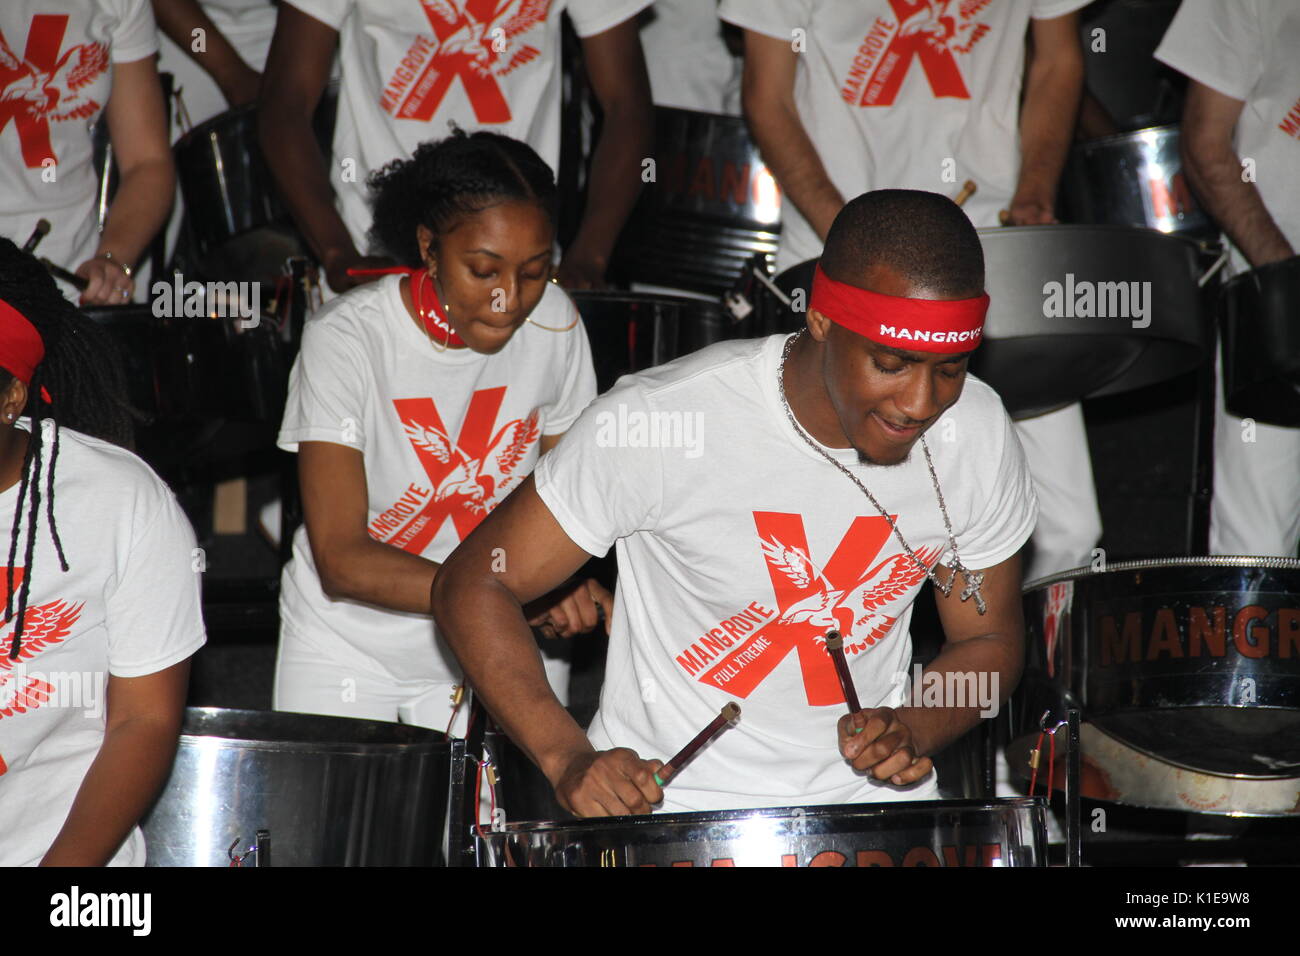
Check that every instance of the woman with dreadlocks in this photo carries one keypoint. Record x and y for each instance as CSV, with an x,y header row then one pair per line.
x,y
100,590
417,404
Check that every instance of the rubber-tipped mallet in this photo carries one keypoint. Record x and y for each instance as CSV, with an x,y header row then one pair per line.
x,y
728,714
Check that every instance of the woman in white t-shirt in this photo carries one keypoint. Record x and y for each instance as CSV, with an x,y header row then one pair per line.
x,y
100,591
417,403
65,65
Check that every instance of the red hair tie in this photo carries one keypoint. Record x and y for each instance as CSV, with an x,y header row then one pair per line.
x,y
914,325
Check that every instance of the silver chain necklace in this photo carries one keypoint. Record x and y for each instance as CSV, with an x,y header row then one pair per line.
x,y
973,579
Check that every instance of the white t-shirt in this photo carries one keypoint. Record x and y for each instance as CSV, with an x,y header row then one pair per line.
x,y
128,606
445,435
905,95
1250,50
741,545
55,79
409,67
689,64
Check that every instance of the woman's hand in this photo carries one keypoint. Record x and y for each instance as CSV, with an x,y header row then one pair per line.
x,y
108,283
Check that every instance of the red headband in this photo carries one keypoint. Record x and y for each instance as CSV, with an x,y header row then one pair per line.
x,y
21,346
915,325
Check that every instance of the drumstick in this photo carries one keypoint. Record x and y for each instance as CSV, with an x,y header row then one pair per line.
x,y
835,645
42,227
727,715
1004,218
967,190
61,273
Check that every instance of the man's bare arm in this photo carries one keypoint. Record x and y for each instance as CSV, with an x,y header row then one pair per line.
x,y
768,95
1053,86
1214,171
619,80
297,71
517,554
179,19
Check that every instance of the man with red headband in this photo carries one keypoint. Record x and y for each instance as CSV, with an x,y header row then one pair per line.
x,y
761,493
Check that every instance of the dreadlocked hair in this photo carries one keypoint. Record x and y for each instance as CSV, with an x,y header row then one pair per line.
x,y
447,179
80,384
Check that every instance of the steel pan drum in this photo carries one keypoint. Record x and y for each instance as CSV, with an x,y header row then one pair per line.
x,y
161,359
1260,321
1133,179
331,791
1193,661
712,205
240,228
1046,346
631,331
921,833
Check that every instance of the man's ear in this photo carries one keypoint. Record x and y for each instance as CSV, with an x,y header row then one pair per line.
x,y
818,325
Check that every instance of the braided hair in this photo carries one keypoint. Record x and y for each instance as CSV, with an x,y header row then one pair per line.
x,y
80,384
447,179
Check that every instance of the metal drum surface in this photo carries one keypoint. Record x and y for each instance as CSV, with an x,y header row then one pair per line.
x,y
631,331
1078,311
160,356
1133,179
332,791
920,833
1260,321
712,204
240,227
1194,661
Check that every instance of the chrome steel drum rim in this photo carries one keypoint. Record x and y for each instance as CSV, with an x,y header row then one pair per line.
x,y
839,812
423,738
1129,136
1206,561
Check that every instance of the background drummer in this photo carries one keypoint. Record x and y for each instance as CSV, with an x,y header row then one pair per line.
x,y
758,538
1242,115
407,69
833,119
65,65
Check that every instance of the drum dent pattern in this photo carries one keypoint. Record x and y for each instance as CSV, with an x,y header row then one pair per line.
x,y
922,833
1192,661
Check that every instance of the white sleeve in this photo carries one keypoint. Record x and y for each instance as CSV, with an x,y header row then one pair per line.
x,y
597,488
328,389
596,16
579,386
136,35
773,18
332,13
1011,508
153,613
1050,9
1217,44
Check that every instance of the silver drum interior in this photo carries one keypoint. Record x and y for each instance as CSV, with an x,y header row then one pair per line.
x,y
919,833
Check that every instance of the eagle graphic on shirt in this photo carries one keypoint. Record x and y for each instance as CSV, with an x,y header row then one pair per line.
x,y
473,41
926,32
856,612
44,84
479,481
43,625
